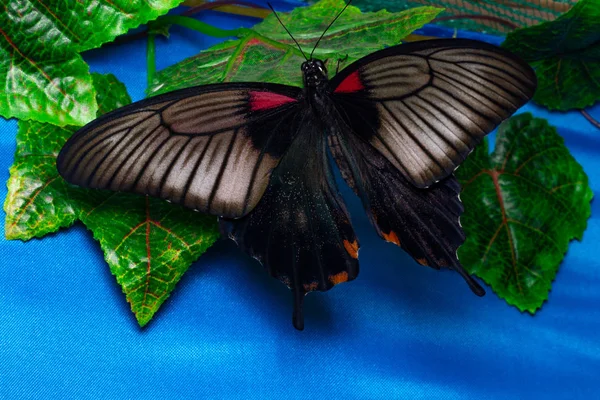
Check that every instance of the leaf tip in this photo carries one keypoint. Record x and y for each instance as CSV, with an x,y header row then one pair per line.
x,y
143,317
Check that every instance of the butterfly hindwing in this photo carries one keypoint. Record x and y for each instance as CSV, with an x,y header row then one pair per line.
x,y
424,222
425,105
211,148
300,230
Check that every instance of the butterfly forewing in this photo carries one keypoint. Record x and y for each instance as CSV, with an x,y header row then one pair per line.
x,y
433,101
209,148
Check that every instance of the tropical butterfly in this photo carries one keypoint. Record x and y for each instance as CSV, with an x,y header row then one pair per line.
x,y
396,122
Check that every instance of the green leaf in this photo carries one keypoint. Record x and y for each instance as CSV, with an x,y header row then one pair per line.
x,y
491,16
523,204
38,199
90,24
37,202
47,82
43,76
148,243
566,56
266,53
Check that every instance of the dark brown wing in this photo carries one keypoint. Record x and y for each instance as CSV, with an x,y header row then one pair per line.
x,y
425,105
210,148
300,230
423,222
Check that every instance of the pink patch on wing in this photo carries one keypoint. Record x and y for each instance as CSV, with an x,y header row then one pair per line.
x,y
351,83
266,100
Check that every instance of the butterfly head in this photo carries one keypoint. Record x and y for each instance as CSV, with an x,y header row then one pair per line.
x,y
314,72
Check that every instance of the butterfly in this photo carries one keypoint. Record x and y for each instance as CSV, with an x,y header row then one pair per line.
x,y
397,123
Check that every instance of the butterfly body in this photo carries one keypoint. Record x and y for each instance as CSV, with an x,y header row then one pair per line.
x,y
396,123
314,75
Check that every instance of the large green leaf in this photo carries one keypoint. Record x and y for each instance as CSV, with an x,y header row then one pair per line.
x,y
523,204
566,56
43,76
38,200
148,243
266,53
490,16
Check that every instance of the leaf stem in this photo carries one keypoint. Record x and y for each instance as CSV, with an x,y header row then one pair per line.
x,y
197,9
590,118
271,42
238,7
490,18
196,25
150,58
210,30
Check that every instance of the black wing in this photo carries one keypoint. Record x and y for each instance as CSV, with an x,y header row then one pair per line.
x,y
300,230
425,105
404,118
210,148
424,222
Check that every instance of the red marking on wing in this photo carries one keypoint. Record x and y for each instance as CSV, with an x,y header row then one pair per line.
x,y
351,83
266,100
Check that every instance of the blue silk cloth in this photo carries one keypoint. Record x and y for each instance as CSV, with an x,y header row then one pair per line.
x,y
399,331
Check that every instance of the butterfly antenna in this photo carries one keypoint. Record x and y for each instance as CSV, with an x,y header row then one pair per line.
x,y
329,26
286,29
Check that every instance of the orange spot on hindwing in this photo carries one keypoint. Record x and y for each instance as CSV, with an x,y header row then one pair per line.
x,y
339,278
422,261
391,237
351,248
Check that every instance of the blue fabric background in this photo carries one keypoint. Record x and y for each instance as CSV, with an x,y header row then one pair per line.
x,y
398,331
